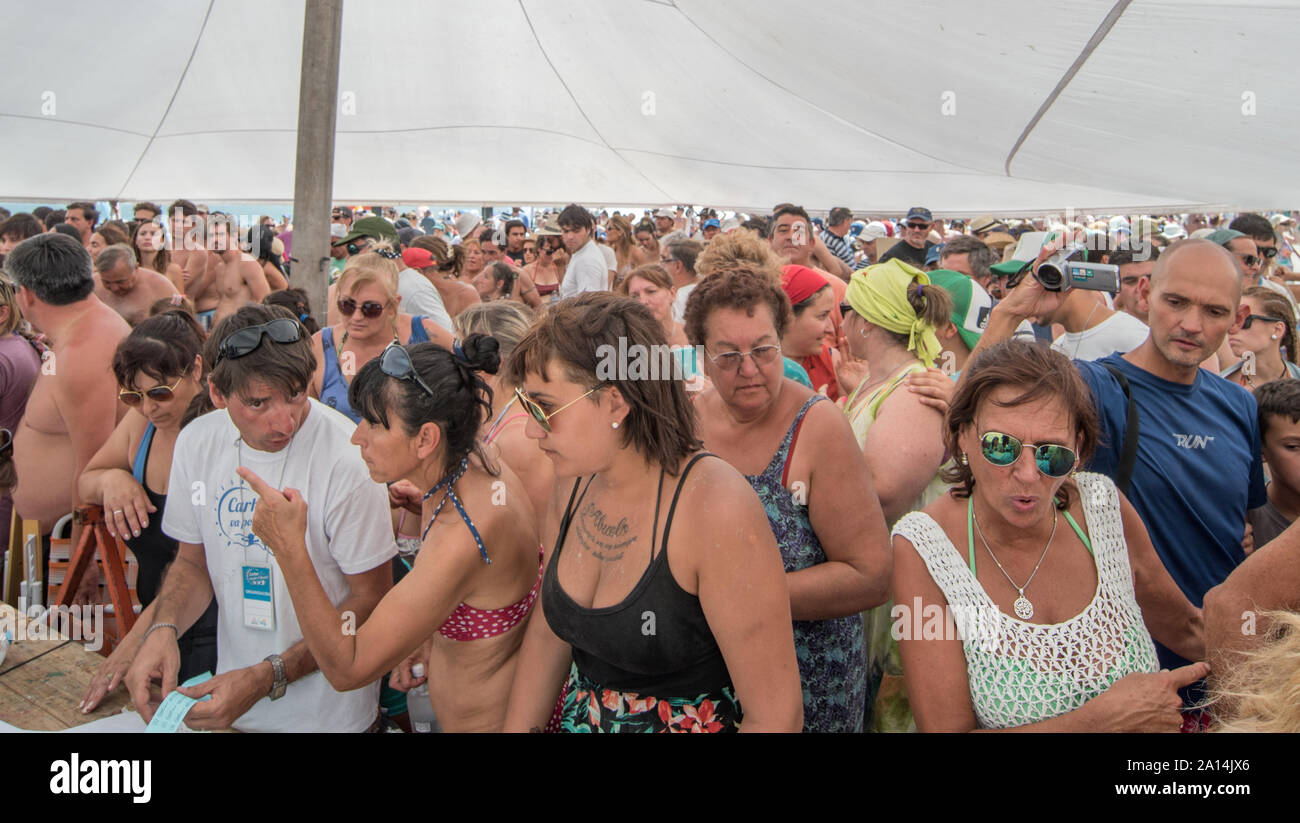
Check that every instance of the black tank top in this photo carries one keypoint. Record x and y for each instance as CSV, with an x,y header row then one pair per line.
x,y
154,550
656,642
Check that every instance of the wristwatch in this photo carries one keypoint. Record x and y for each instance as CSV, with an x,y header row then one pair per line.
x,y
277,670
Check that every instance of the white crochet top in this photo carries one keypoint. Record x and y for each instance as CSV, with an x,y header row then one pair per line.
x,y
1022,672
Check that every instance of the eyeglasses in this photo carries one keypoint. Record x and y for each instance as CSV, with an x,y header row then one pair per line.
x,y
1268,252
1004,450
1248,259
730,361
396,363
370,308
535,411
1251,318
917,226
160,394
845,308
239,343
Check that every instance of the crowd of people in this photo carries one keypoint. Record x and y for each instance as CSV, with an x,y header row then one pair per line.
x,y
445,483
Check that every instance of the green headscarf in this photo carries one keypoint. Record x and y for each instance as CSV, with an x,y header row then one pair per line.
x,y
879,294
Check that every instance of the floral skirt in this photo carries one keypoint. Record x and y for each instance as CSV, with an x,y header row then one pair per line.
x,y
589,708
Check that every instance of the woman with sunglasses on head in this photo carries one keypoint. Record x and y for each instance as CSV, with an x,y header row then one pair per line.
x,y
671,617
800,456
158,367
461,610
1266,341
1049,585
368,302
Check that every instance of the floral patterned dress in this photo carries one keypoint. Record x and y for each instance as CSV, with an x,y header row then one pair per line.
x,y
832,653
589,708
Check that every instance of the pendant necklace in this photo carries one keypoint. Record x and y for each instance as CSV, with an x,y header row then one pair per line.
x,y
1022,607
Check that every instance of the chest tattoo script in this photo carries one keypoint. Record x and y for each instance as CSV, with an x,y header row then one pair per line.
x,y
605,540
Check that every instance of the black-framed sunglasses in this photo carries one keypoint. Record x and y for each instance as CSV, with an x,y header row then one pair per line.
x,y
1268,252
917,226
845,308
369,309
160,394
1248,259
1052,459
240,343
396,363
1251,318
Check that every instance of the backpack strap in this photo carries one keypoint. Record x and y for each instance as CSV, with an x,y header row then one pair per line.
x,y
1128,454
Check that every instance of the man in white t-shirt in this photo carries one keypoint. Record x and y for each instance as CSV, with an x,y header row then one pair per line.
x,y
1092,329
587,270
678,257
267,679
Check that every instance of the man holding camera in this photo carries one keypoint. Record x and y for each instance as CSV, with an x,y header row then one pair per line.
x,y
267,679
1197,466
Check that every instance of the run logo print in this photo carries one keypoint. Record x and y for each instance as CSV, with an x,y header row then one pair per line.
x,y
1193,441
77,776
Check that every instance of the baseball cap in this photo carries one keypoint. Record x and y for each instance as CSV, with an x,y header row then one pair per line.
x,y
711,223
932,256
919,213
1008,268
417,258
730,224
408,233
1223,236
873,231
374,227
970,303
666,213
1173,231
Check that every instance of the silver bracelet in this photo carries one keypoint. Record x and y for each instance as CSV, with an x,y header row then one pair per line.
x,y
171,626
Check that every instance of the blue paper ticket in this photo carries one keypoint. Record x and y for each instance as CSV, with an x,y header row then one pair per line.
x,y
175,706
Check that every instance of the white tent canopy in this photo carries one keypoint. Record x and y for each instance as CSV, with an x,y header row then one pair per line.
x,y
1002,107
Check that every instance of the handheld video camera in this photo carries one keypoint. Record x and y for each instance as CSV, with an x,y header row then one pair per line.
x,y
1062,272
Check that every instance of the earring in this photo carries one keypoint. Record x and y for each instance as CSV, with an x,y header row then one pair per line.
x,y
614,424
1274,337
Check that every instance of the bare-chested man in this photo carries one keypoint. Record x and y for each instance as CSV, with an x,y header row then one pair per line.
x,y
188,252
239,277
74,406
125,287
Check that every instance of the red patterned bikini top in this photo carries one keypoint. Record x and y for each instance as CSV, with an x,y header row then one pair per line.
x,y
469,623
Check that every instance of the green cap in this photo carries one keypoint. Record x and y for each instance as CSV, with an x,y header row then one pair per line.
x,y
1008,268
376,228
1221,237
970,304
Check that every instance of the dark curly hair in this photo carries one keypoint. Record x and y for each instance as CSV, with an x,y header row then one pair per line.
x,y
1039,372
737,288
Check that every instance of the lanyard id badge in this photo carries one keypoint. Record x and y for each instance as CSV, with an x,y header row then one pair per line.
x,y
259,594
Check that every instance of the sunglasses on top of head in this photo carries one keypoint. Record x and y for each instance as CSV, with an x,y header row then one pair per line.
x,y
160,394
369,309
1052,459
396,363
239,343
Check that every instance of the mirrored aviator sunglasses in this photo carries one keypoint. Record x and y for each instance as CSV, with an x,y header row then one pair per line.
x,y
245,341
1004,450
